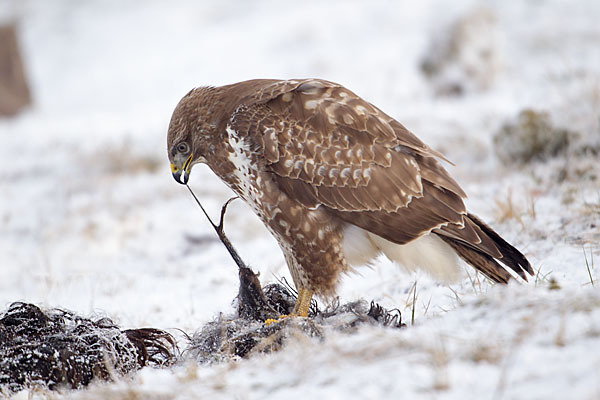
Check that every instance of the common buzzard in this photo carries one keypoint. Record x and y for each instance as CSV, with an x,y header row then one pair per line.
x,y
335,180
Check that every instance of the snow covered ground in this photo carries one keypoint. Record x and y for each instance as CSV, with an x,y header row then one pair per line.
x,y
92,221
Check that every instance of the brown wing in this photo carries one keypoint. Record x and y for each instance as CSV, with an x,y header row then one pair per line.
x,y
328,147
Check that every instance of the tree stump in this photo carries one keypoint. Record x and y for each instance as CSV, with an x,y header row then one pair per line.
x,y
14,90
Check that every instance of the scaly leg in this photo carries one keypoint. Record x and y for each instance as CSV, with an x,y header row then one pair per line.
x,y
302,303
300,308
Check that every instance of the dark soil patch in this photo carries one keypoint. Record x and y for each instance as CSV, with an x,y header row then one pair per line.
x,y
55,348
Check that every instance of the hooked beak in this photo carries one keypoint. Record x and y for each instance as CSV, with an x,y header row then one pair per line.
x,y
182,175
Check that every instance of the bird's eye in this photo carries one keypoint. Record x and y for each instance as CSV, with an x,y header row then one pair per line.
x,y
183,147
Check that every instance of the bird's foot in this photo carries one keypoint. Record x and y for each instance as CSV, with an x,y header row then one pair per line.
x,y
300,308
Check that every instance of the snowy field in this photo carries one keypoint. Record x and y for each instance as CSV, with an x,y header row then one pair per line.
x,y
92,221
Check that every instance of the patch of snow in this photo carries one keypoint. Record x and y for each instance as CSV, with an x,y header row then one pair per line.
x,y
91,219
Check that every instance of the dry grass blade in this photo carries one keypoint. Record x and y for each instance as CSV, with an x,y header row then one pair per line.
x,y
412,303
587,264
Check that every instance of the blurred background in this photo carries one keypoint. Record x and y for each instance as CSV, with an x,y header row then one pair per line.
x,y
91,219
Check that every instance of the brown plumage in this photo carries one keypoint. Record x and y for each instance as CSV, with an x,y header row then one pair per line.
x,y
335,180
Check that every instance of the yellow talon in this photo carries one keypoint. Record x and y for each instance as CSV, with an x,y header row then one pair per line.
x,y
300,308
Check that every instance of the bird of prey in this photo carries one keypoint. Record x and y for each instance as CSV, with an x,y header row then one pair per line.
x,y
335,180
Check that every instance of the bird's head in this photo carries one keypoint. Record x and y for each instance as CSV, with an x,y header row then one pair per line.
x,y
190,132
